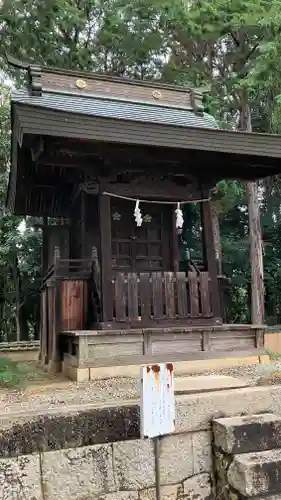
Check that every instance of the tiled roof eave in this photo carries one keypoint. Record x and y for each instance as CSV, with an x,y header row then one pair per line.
x,y
116,109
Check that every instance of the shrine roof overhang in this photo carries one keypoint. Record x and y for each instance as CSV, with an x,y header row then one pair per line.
x,y
106,120
145,115
109,108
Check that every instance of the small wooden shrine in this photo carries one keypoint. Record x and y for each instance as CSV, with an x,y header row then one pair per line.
x,y
109,164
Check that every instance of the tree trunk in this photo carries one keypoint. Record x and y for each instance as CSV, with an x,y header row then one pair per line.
x,y
22,326
255,236
217,237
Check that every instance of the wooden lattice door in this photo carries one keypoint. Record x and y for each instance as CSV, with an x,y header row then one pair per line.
x,y
140,249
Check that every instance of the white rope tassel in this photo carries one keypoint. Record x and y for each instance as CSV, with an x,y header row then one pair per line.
x,y
179,217
137,214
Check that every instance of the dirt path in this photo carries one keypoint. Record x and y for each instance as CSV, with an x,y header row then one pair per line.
x,y
46,391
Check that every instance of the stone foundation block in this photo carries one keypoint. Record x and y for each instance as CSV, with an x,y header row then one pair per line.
x,y
195,488
182,456
198,487
235,435
20,478
133,463
253,474
78,473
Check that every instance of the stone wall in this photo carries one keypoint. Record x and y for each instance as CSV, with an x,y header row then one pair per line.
x,y
247,453
116,471
90,453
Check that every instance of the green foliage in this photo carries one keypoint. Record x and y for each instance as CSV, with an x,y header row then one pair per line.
x,y
19,252
10,374
110,36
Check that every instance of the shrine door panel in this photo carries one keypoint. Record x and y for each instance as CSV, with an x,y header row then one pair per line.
x,y
140,249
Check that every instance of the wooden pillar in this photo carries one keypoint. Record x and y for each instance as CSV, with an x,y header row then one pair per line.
x,y
56,326
211,256
175,245
256,255
45,245
43,294
105,258
83,225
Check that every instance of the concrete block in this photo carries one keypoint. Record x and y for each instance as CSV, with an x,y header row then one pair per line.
x,y
180,367
253,474
202,452
196,411
207,383
81,374
74,373
20,478
264,359
198,487
133,463
248,433
182,456
78,473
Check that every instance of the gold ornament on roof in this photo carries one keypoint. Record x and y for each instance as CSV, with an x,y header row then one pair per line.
x,y
81,84
156,94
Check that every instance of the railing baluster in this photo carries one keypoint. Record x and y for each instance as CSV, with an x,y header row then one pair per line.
x,y
120,297
181,294
145,296
205,294
133,302
193,294
169,295
157,295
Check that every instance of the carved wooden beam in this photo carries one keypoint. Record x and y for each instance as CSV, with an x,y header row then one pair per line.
x,y
156,190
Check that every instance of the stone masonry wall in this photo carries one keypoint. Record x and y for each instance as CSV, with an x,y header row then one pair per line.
x,y
116,471
247,451
90,453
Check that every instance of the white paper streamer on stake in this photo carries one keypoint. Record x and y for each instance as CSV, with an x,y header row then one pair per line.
x,y
137,214
179,217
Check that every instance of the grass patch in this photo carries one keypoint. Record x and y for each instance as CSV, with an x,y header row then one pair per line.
x,y
15,374
274,356
10,373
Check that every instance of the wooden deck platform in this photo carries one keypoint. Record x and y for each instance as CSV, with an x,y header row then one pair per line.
x,y
91,349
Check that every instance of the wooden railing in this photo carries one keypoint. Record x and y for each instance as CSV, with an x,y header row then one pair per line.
x,y
156,297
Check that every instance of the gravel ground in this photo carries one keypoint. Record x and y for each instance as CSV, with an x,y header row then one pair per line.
x,y
104,391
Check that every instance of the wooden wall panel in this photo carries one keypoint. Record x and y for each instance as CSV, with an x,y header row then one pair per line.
x,y
74,302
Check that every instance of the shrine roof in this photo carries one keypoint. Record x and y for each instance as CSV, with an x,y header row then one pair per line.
x,y
104,106
151,125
